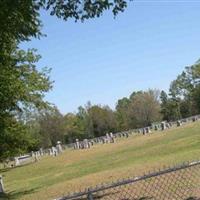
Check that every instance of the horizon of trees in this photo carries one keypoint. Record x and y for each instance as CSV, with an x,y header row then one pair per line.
x,y
42,128
140,109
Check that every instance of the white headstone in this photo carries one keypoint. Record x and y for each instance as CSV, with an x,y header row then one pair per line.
x,y
17,163
59,147
77,144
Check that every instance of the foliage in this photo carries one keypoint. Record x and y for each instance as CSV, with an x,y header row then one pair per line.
x,y
184,94
82,10
22,87
21,84
122,110
48,126
102,120
89,122
170,107
19,21
15,138
141,109
145,108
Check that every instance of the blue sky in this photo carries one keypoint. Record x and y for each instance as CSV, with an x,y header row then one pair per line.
x,y
105,59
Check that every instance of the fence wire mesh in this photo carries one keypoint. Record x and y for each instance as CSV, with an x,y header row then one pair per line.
x,y
177,183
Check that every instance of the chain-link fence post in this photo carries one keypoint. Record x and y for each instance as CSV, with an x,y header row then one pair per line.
x,y
89,196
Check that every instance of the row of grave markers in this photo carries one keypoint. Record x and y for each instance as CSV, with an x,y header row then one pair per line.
x,y
86,143
35,156
111,138
108,138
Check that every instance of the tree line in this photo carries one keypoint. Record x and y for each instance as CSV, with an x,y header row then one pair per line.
x,y
140,109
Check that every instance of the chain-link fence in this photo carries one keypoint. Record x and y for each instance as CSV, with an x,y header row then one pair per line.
x,y
179,182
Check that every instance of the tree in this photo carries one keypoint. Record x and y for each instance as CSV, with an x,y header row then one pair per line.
x,y
122,116
22,87
14,138
20,20
145,108
185,90
82,10
74,128
51,127
102,120
170,107
164,105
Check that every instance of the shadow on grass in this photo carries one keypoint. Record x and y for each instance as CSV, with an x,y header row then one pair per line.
x,y
16,194
5,170
10,168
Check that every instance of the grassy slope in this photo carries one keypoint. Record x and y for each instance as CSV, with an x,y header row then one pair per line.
x,y
74,170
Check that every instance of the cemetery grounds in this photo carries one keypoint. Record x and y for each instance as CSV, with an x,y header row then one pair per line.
x,y
75,170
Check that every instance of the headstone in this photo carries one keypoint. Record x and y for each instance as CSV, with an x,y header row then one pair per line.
x,y
37,153
179,123
107,138
148,130
85,144
163,126
41,152
17,163
1,185
59,147
112,139
126,135
143,131
36,158
50,152
55,151
167,125
89,144
77,144
194,119
32,154
92,142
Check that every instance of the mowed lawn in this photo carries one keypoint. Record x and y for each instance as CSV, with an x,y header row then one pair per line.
x,y
74,170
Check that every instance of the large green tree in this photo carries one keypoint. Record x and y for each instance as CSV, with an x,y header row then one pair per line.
x,y
102,120
122,114
140,109
145,108
185,90
22,87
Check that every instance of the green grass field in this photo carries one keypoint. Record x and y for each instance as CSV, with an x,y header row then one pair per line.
x,y
53,177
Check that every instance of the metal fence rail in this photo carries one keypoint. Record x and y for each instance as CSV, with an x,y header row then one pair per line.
x,y
175,183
